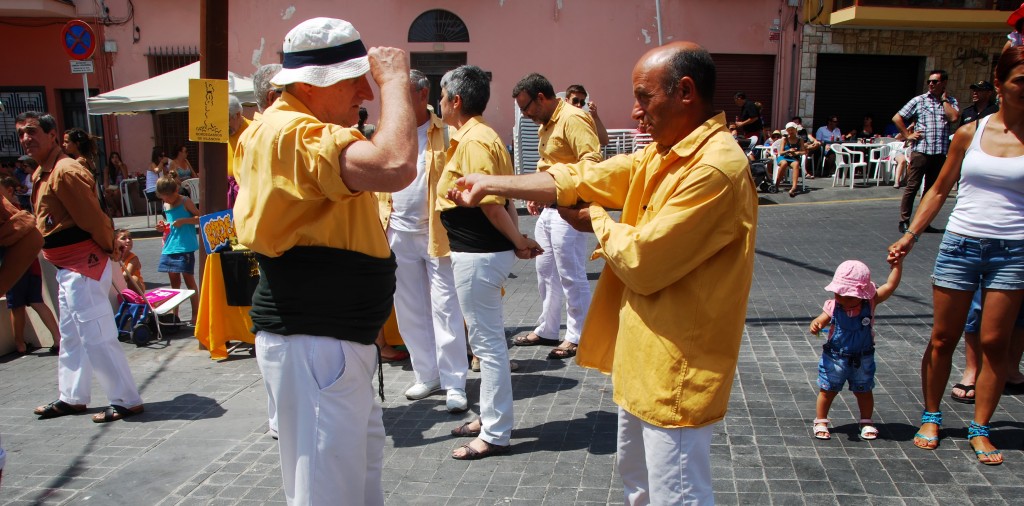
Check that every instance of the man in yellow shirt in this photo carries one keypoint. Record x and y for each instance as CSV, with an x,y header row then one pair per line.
x,y
266,95
327,275
426,305
567,135
668,312
236,125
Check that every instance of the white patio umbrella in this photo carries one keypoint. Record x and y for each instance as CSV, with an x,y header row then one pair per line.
x,y
165,92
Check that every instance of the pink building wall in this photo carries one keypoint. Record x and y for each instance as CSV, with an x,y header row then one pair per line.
x,y
593,42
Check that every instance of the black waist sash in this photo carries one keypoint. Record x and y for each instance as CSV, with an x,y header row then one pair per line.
x,y
323,291
469,231
66,237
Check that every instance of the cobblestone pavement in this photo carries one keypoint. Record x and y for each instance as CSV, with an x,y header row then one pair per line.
x,y
203,437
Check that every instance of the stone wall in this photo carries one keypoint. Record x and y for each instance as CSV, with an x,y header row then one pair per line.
x,y
967,56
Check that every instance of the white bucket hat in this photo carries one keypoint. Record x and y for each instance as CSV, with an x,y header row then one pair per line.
x,y
321,52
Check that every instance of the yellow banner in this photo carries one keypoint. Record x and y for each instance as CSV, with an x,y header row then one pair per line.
x,y
208,110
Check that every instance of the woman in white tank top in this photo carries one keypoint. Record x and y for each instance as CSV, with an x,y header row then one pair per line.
x,y
983,246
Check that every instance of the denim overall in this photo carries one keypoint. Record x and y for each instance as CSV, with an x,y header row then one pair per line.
x,y
849,344
850,337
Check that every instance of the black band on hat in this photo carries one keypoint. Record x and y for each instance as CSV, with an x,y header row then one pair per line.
x,y
325,56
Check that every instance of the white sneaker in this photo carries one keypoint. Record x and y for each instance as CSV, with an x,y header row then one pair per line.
x,y
423,390
457,401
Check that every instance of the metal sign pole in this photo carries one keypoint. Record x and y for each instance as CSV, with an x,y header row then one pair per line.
x,y
85,93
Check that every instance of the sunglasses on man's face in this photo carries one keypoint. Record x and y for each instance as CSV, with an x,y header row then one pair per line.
x,y
579,102
934,81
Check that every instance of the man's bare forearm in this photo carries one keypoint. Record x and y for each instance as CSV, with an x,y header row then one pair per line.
x,y
538,187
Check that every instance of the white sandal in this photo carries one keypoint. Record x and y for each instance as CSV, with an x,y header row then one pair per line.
x,y
821,429
868,431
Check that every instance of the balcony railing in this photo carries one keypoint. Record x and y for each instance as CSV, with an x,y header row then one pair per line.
x,y
986,5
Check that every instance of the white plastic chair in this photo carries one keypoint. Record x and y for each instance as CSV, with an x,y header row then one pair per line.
x,y
192,185
847,160
878,163
126,198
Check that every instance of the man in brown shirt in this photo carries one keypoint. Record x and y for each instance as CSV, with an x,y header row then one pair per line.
x,y
78,238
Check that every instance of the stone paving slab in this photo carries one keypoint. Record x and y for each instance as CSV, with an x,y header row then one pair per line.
x,y
203,437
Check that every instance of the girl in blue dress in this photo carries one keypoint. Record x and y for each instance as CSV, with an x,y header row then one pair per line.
x,y
178,258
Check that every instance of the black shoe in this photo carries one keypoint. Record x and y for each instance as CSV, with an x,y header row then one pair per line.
x,y
932,230
903,226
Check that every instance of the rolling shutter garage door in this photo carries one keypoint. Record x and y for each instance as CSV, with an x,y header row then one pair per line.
x,y
753,74
852,85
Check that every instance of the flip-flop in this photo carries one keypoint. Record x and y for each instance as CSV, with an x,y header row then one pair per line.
x,y
473,454
964,399
540,341
58,408
114,412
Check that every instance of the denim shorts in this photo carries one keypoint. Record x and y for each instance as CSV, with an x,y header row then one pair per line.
x,y
835,370
973,325
964,263
182,263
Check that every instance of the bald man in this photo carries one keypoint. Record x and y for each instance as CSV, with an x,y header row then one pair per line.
x,y
668,311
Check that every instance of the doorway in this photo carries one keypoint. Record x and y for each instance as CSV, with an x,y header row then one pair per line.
x,y
851,86
434,66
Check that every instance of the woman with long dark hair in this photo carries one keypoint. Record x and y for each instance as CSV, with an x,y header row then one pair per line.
x,y
983,246
81,146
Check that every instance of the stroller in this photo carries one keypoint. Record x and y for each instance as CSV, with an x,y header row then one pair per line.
x,y
758,168
763,183
139,318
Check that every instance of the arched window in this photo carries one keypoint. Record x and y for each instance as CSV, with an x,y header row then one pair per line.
x,y
438,25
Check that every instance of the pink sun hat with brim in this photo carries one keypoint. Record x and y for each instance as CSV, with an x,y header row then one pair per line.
x,y
852,279
1016,16
321,52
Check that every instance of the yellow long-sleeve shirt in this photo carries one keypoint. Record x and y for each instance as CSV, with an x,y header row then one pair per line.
x,y
668,312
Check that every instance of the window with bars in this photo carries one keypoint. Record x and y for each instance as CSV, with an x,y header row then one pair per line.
x,y
438,25
17,101
170,129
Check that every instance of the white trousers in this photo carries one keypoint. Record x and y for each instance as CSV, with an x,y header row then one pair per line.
x,y
561,277
478,280
664,466
427,308
88,342
330,425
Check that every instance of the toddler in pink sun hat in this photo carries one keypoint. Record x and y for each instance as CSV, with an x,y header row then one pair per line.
x,y
848,355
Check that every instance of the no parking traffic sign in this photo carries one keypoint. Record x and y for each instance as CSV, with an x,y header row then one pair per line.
x,y
78,39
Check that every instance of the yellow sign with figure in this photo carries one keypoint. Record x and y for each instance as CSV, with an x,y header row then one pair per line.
x,y
208,110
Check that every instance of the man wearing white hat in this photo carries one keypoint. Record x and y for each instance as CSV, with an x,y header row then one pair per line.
x,y
327,275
